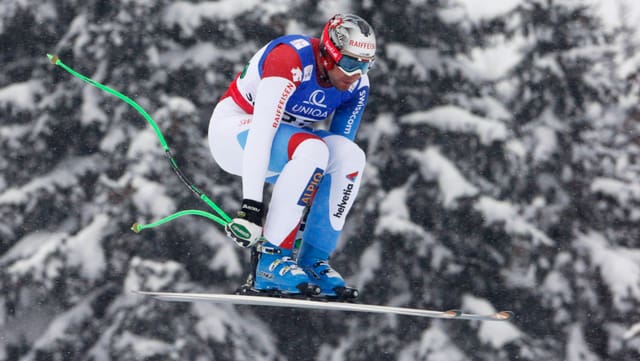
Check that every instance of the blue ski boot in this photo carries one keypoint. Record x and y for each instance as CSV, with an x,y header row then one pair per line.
x,y
315,263
277,273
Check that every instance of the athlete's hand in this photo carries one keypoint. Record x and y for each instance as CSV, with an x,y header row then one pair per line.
x,y
246,228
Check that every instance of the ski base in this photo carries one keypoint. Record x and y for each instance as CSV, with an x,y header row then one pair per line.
x,y
322,305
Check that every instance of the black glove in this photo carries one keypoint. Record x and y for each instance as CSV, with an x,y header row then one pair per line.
x,y
252,211
246,228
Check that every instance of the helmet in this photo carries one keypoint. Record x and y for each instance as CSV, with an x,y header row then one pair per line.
x,y
350,42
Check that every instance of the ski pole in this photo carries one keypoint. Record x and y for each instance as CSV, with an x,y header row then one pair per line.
x,y
139,227
222,219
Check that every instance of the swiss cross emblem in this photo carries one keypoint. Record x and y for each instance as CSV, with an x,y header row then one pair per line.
x,y
296,74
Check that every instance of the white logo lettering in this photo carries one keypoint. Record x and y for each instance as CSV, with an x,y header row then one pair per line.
x,y
281,104
299,43
308,70
317,99
314,112
355,112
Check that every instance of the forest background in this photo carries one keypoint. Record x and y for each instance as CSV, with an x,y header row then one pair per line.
x,y
503,173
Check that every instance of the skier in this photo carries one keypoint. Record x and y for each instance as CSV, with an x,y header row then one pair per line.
x,y
261,129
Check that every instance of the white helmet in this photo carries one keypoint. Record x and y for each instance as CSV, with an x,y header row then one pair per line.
x,y
350,42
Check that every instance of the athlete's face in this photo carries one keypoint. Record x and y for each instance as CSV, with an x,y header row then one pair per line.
x,y
340,80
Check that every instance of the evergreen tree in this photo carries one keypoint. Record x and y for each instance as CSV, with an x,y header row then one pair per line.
x,y
517,190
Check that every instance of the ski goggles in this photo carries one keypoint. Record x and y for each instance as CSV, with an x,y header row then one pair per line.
x,y
351,66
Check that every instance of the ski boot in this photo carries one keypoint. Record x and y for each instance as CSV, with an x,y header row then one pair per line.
x,y
316,264
275,273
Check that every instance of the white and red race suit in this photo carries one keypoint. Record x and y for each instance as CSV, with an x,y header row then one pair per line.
x,y
261,129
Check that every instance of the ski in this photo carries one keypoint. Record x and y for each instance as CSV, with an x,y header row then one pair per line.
x,y
322,305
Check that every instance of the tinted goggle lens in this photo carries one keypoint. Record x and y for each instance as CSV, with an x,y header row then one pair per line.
x,y
351,65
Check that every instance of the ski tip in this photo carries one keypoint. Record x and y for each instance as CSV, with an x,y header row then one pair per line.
x,y
136,227
503,315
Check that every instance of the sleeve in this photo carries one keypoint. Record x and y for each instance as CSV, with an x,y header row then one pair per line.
x,y
284,62
271,98
346,119
272,94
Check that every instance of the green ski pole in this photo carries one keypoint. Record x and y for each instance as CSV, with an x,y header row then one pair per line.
x,y
222,219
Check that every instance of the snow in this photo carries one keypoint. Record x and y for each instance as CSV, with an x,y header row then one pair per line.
x,y
495,334
395,214
422,61
495,211
633,331
42,11
434,345
19,95
451,118
90,108
497,59
44,259
189,16
143,347
619,268
492,107
151,196
145,150
370,261
479,10
113,138
395,219
36,255
577,346
81,38
44,254
617,12
546,143
226,259
495,62
85,249
201,54
72,320
64,176
331,7
452,184
29,244
418,60
219,323
145,143
180,105
212,326
516,148
149,275
335,352
28,323
557,289
623,192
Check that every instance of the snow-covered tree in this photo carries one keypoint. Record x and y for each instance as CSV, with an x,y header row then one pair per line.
x,y
502,174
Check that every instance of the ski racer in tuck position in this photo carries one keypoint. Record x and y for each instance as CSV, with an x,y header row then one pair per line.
x,y
262,129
